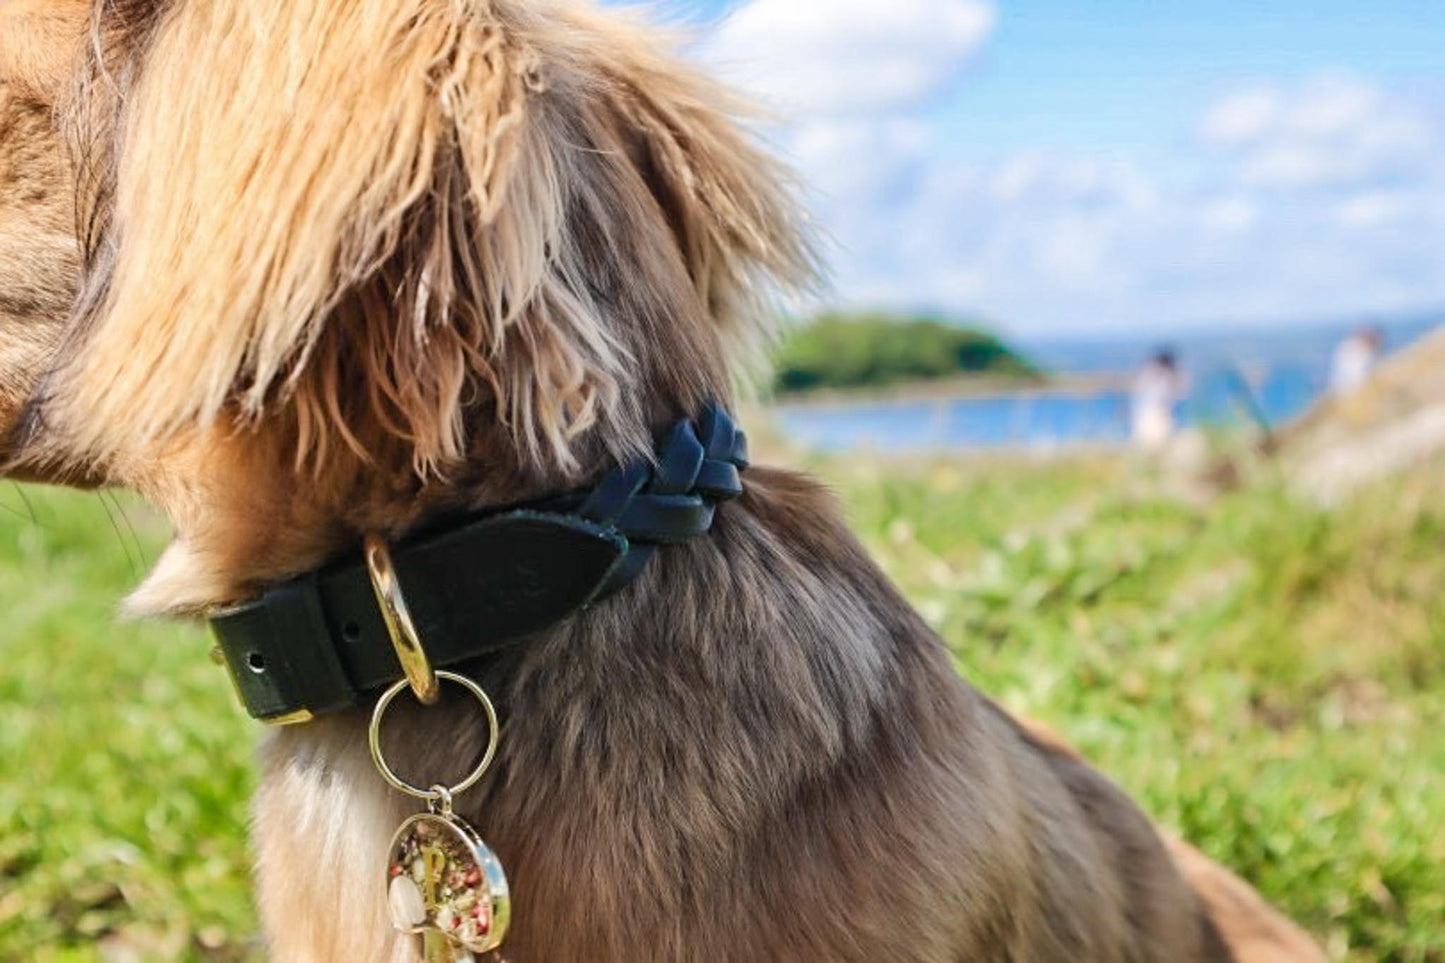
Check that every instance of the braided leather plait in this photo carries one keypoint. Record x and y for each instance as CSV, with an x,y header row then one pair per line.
x,y
673,500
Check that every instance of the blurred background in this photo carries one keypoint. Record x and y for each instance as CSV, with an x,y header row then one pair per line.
x,y
1127,373
1238,186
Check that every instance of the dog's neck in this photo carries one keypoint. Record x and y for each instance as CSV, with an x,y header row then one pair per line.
x,y
477,585
778,608
249,511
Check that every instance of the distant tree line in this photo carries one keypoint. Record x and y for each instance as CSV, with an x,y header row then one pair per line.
x,y
876,350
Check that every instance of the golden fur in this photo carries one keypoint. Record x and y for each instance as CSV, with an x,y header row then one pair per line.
x,y
39,261
349,265
446,204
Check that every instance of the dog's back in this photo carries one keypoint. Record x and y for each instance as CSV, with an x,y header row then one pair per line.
x,y
761,753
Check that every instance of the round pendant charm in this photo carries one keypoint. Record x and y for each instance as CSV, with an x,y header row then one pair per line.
x,y
443,880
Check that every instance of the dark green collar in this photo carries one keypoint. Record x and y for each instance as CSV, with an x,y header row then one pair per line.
x,y
317,643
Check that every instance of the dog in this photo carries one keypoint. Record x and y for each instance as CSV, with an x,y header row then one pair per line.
x,y
367,267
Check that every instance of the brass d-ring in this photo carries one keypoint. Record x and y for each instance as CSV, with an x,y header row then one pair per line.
x,y
404,637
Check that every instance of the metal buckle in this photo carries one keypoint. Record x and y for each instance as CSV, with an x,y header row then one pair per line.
x,y
394,612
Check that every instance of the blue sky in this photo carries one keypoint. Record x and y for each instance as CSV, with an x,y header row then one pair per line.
x,y
1098,165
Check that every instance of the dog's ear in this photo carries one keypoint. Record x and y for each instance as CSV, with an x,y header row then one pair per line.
x,y
283,163
372,213
730,205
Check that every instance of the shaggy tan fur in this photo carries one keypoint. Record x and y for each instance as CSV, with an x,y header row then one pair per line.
x,y
351,265
39,259
445,201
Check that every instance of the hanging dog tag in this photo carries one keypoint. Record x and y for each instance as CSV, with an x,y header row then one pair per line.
x,y
444,884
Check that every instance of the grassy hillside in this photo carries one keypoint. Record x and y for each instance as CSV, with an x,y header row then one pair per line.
x,y
874,351
1265,677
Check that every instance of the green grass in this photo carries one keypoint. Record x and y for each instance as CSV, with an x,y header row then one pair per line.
x,y
1265,677
125,773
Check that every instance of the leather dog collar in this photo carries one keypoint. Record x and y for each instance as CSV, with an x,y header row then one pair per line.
x,y
318,643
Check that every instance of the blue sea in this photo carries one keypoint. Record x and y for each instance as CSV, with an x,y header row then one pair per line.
x,y
1262,377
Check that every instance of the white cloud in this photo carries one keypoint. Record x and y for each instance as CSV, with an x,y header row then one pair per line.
x,y
1229,215
853,157
1242,117
831,58
1373,208
1330,132
1332,107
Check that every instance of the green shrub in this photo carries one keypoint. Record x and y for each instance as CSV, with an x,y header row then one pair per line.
x,y
874,350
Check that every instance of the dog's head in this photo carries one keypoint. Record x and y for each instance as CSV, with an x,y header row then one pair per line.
x,y
341,262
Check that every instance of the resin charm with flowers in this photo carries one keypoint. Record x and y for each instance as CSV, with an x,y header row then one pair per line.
x,y
443,880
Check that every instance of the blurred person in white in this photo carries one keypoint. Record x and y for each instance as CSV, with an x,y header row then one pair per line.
x,y
1355,360
1158,389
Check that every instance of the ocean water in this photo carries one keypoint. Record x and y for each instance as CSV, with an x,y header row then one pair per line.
x,y
1262,378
